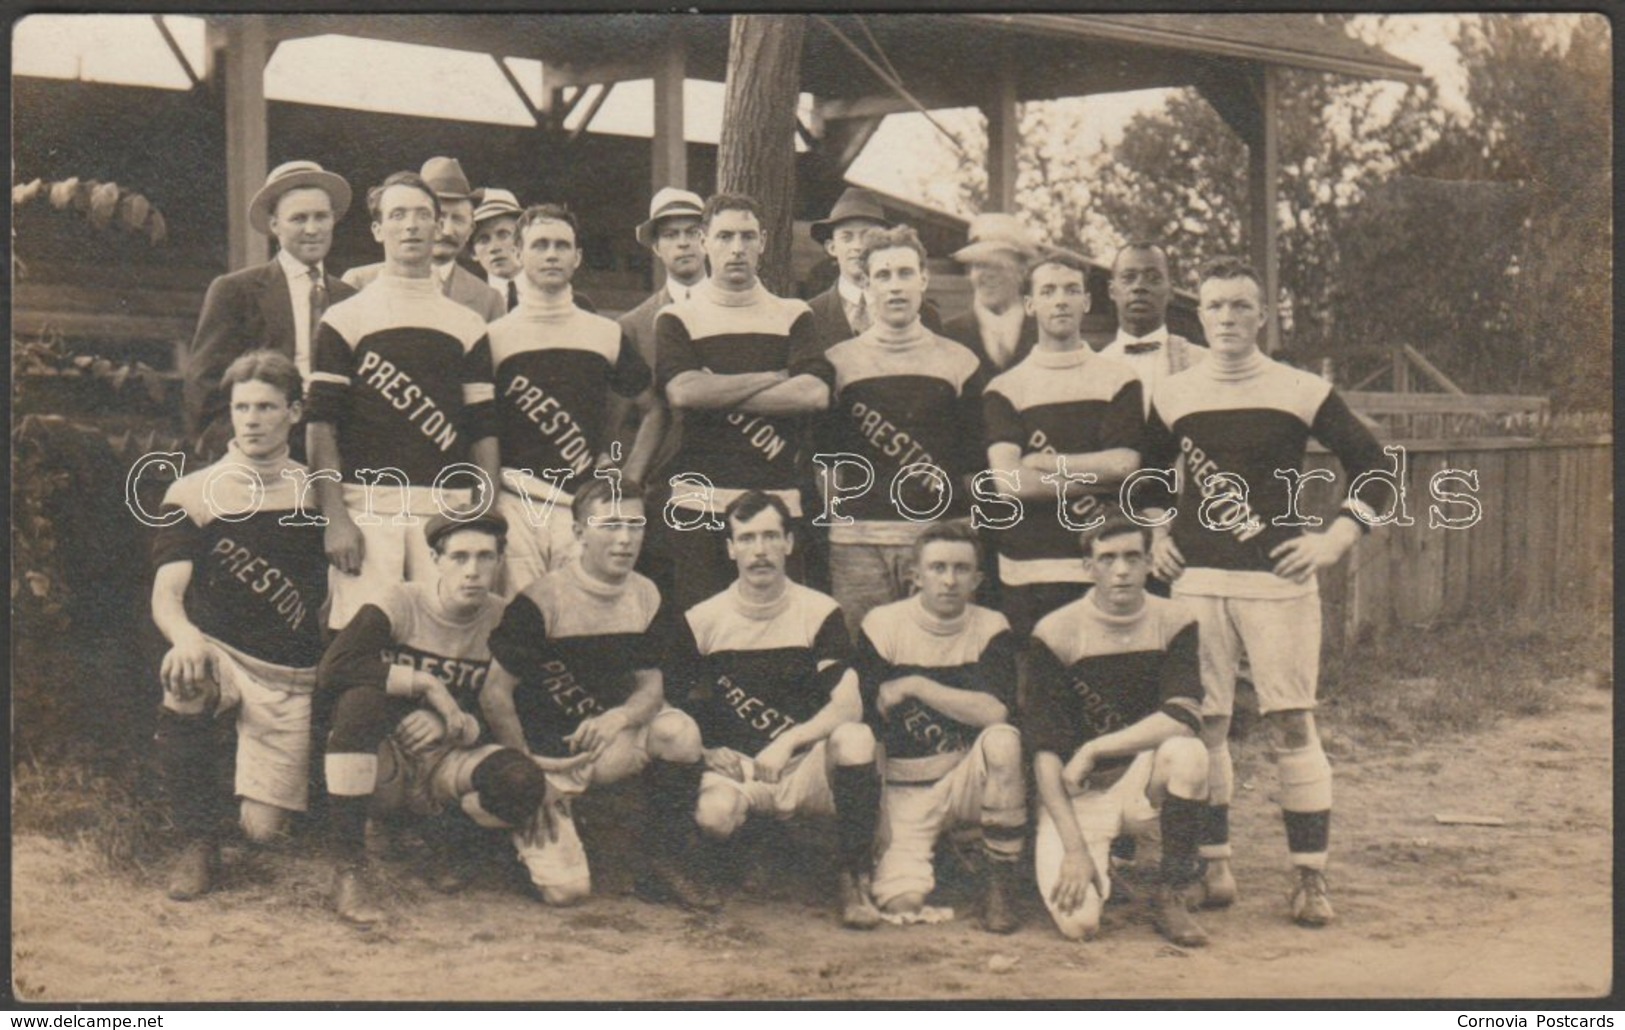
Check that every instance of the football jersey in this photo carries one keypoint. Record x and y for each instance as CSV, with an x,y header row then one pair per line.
x,y
1093,673
973,652
1248,422
748,672
1059,402
730,333
553,372
256,584
898,401
575,645
404,374
410,631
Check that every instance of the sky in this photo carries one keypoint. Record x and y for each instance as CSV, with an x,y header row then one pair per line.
x,y
907,157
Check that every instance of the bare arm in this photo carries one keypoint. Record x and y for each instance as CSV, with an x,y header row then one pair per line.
x,y
712,390
971,707
1111,466
1006,457
646,443
1130,740
496,702
798,395
843,706
188,667
484,453
595,734
1077,868
342,540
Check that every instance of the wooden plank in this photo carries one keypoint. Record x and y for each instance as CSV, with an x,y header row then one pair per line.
x,y
1569,554
1376,403
1419,554
1538,509
1495,540
1457,597
1600,520
1003,135
669,149
1263,186
246,164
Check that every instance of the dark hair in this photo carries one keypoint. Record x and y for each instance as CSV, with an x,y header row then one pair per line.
x,y
1140,244
898,237
265,366
752,503
1114,526
720,202
1064,258
548,213
958,532
1230,268
601,491
375,196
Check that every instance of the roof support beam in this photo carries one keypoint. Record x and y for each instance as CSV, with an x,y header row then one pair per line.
x,y
669,163
240,63
558,76
1263,179
518,89
1003,137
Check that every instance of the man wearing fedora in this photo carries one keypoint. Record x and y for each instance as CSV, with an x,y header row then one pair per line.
x,y
1141,290
841,312
445,176
997,326
275,305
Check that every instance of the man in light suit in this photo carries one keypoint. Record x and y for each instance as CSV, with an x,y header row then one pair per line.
x,y
841,312
996,327
445,176
275,305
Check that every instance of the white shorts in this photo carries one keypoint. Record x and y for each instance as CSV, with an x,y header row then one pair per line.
x,y
1281,641
273,726
1101,815
425,783
393,552
803,787
913,816
535,549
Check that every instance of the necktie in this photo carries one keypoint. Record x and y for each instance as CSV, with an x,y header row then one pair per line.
x,y
513,294
1141,348
860,315
318,301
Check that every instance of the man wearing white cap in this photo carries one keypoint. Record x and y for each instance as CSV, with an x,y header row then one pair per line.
x,y
445,176
996,327
275,305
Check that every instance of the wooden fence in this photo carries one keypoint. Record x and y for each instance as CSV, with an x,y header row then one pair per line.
x,y
1544,541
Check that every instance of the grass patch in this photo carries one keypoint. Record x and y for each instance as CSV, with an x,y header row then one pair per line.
x,y
1420,683
65,798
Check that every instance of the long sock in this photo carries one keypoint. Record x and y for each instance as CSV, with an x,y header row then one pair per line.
x,y
1181,821
673,793
188,763
857,813
1215,836
347,819
1306,802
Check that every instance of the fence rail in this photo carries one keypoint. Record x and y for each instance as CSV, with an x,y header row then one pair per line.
x,y
1544,540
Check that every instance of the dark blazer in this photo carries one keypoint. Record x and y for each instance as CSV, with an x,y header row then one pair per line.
x,y
242,311
967,331
462,286
829,318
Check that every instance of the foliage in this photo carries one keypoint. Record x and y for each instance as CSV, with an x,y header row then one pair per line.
x,y
104,205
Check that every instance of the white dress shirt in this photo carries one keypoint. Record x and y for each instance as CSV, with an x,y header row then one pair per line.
x,y
852,304
298,275
1001,333
1151,366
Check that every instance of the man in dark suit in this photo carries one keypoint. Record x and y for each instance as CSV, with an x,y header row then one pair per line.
x,y
841,311
445,176
275,305
996,327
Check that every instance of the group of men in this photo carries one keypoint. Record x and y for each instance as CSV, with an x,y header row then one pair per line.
x,y
767,557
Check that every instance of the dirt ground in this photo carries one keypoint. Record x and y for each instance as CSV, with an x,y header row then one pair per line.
x,y
1425,910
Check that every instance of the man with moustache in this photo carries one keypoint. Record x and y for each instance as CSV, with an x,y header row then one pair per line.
x,y
456,206
276,305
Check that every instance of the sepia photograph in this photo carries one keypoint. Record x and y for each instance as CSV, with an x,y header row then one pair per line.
x,y
834,508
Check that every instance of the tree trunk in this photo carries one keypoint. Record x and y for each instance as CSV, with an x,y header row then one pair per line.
x,y
757,153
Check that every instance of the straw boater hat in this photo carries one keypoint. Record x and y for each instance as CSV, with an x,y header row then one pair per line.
x,y
670,202
995,233
445,176
491,202
297,175
854,204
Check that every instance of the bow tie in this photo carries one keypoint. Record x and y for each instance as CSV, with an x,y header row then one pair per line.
x,y
1141,348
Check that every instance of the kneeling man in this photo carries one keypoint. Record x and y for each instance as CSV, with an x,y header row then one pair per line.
x,y
938,676
578,676
1116,695
777,701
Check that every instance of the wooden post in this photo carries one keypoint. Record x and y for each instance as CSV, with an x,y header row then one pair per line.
x,y
669,166
756,155
1003,138
1263,177
242,68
